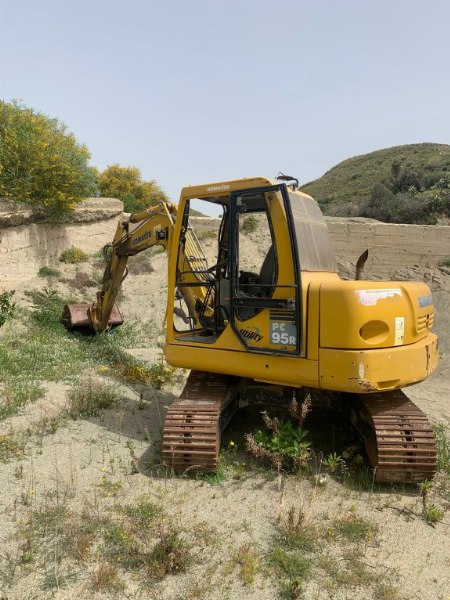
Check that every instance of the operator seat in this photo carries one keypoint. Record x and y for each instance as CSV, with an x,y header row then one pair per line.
x,y
267,273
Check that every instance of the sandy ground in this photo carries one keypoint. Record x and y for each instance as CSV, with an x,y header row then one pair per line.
x,y
410,554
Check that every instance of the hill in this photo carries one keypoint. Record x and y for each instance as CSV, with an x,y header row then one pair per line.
x,y
403,184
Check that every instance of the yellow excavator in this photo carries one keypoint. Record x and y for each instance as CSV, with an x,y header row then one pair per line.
x,y
279,319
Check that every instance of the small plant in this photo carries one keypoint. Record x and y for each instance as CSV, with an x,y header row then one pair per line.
x,y
73,256
433,514
48,272
10,448
353,528
105,576
108,487
425,488
332,462
445,262
170,555
246,559
442,435
295,534
284,444
290,569
206,235
249,224
7,306
160,373
89,398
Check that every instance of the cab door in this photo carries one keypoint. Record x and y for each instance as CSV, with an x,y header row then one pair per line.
x,y
265,299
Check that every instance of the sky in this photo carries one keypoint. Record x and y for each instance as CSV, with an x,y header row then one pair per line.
x,y
199,91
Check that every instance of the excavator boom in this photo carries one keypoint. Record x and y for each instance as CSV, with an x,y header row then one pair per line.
x,y
151,227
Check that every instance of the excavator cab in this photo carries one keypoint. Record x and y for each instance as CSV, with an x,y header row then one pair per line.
x,y
251,295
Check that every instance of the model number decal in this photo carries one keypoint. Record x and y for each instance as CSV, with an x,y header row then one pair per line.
x,y
283,333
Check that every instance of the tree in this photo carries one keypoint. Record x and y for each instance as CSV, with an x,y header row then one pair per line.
x,y
41,163
126,184
380,204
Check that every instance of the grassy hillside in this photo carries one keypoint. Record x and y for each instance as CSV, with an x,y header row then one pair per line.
x,y
401,184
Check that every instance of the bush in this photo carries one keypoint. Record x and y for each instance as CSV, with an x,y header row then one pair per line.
x,y
126,184
7,306
41,164
48,272
73,256
249,224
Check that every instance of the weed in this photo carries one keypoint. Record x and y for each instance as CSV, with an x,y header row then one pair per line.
x,y
105,576
143,514
140,264
442,435
206,235
332,462
386,591
81,281
160,373
88,398
10,448
16,393
170,554
433,514
284,444
425,488
48,272
444,262
218,476
245,558
108,487
134,463
249,224
290,569
295,534
348,571
73,256
7,306
353,528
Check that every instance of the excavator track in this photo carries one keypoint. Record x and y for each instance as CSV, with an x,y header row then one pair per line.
x,y
194,422
399,440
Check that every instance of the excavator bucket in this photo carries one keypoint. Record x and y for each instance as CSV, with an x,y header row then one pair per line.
x,y
77,315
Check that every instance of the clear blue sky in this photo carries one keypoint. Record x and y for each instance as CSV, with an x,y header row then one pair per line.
x,y
195,91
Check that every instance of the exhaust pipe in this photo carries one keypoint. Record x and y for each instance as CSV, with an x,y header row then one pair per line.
x,y
360,265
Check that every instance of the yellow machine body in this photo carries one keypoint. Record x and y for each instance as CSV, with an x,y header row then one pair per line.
x,y
280,316
354,336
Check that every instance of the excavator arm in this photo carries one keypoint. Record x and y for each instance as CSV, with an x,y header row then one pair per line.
x,y
139,232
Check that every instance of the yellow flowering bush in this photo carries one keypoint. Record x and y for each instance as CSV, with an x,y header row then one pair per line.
x,y
41,163
126,184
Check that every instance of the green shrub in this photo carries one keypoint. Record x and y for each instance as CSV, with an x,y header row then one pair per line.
x,y
89,398
48,272
7,306
249,224
41,163
73,256
126,184
284,444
